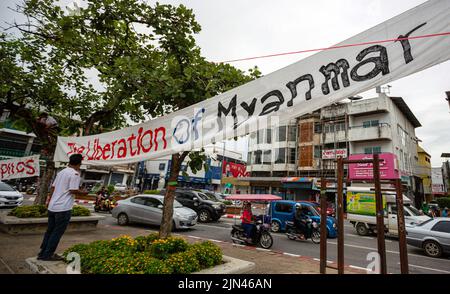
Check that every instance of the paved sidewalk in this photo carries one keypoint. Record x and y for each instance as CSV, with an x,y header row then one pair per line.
x,y
15,249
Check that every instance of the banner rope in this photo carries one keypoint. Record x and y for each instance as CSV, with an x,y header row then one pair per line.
x,y
337,47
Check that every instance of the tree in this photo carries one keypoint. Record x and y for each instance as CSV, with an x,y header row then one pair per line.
x,y
145,61
57,54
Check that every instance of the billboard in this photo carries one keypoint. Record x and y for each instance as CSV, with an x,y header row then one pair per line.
x,y
364,171
362,203
334,153
235,170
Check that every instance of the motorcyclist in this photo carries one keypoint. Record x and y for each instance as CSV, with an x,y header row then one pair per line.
x,y
300,220
102,195
247,220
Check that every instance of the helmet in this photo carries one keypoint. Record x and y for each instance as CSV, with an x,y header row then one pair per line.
x,y
298,206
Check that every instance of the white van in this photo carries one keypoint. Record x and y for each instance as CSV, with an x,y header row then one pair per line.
x,y
361,211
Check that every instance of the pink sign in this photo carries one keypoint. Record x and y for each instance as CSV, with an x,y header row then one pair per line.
x,y
364,171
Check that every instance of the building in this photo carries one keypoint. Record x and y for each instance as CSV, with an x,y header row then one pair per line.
x,y
378,125
224,167
437,182
272,155
423,173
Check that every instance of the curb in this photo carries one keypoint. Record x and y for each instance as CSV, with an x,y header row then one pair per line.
x,y
351,268
231,216
84,201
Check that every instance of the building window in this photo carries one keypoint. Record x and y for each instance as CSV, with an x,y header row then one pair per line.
x,y
280,155
258,157
249,158
162,166
281,134
317,152
292,155
371,123
267,157
372,150
268,136
317,128
292,133
260,136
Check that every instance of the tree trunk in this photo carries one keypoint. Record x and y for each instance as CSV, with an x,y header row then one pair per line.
x,y
44,183
166,222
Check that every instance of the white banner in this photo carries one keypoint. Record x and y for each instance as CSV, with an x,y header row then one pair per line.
x,y
333,154
300,88
20,167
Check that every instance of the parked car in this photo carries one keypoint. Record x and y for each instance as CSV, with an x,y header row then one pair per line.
x,y
284,210
147,209
433,236
207,206
330,210
120,187
9,197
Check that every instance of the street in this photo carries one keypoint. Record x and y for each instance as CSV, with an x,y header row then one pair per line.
x,y
356,247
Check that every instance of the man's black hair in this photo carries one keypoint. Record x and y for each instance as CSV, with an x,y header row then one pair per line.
x,y
75,159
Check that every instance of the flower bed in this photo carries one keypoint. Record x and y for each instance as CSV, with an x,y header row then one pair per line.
x,y
29,211
146,255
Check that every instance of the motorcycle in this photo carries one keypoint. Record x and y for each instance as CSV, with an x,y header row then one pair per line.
x,y
261,235
104,205
312,231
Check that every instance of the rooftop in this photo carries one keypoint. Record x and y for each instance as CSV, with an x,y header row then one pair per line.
x,y
404,108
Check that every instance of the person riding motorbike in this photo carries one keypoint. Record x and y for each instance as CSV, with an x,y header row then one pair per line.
x,y
102,196
247,221
300,220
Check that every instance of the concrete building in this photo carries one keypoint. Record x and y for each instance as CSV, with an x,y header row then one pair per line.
x,y
423,172
272,155
378,125
224,166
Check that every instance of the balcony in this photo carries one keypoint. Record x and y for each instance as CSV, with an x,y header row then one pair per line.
x,y
332,137
380,132
333,111
369,106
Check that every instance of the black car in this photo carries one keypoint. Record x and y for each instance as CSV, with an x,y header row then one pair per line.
x,y
208,208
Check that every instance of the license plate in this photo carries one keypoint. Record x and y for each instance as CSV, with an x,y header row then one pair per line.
x,y
11,202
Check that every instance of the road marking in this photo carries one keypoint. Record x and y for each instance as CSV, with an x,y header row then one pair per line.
x,y
389,251
195,237
293,255
365,237
262,249
317,259
7,266
238,245
428,268
213,240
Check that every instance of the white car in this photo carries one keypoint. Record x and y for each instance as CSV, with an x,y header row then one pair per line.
x,y
433,236
120,187
9,197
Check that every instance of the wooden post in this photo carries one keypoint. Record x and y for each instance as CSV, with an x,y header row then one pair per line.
x,y
379,214
340,214
323,226
401,228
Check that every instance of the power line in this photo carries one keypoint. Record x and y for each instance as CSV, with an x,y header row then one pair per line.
x,y
337,47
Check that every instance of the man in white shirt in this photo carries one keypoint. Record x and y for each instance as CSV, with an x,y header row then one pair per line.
x,y
64,188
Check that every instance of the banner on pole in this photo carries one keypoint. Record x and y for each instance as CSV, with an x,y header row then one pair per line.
x,y
408,43
19,167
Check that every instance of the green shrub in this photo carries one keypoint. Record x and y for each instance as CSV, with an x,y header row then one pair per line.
x,y
144,242
183,262
110,189
29,211
207,253
228,202
443,202
145,255
162,248
80,211
153,192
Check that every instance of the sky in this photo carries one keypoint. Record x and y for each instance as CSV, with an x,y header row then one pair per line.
x,y
234,29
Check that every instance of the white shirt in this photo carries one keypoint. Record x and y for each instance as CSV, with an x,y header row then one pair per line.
x,y
66,180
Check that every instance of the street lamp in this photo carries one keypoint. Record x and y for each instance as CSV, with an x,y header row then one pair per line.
x,y
448,98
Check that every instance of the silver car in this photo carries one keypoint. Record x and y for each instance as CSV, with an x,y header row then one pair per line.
x,y
433,236
147,209
9,197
